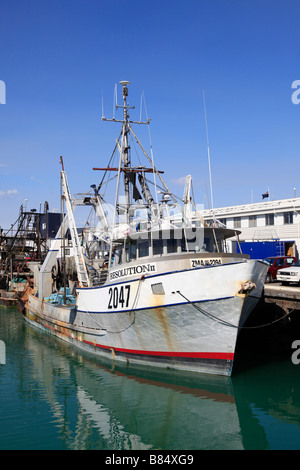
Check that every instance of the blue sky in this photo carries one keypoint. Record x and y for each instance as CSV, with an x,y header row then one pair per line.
x,y
58,57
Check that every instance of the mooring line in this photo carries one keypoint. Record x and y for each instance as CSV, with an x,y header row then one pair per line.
x,y
226,323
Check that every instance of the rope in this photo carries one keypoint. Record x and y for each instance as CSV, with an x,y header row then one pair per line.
x,y
226,323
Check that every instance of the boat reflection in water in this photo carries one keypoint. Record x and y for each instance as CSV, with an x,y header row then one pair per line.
x,y
99,406
129,408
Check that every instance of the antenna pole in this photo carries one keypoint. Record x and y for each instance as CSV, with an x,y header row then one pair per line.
x,y
125,145
208,153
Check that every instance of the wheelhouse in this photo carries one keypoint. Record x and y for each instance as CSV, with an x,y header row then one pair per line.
x,y
165,243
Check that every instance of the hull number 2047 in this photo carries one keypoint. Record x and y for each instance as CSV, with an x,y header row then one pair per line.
x,y
118,297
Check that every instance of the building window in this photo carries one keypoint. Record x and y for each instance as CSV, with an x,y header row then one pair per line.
x,y
252,221
223,221
288,217
269,219
237,222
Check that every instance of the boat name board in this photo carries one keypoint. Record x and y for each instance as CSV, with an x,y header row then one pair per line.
x,y
132,271
196,263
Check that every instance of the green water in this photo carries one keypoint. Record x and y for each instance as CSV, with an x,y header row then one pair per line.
x,y
54,397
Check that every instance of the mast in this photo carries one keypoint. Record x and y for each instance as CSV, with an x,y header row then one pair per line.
x,y
125,147
125,166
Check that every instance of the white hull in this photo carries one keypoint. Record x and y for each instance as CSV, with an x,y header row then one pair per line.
x,y
190,322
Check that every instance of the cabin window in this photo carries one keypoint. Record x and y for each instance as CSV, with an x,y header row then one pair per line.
x,y
131,252
192,241
157,247
192,245
171,245
143,249
183,245
117,255
221,245
212,245
206,245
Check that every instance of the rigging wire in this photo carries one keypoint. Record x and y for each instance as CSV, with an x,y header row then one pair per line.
x,y
163,190
112,156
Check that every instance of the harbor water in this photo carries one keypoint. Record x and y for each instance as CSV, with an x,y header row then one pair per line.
x,y
55,397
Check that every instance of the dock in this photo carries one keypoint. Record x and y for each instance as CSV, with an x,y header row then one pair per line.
x,y
274,324
286,297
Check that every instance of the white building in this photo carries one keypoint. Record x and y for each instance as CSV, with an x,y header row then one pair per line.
x,y
263,222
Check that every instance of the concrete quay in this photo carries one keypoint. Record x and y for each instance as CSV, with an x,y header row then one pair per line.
x,y
286,297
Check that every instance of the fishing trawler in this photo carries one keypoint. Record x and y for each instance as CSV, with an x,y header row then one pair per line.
x,y
155,283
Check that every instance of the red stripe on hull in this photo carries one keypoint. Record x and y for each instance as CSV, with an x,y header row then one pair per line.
x,y
192,355
212,362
